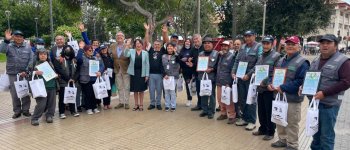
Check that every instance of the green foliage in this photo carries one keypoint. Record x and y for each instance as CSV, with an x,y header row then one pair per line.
x,y
73,29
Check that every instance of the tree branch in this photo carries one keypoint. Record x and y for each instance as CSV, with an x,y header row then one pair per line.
x,y
137,7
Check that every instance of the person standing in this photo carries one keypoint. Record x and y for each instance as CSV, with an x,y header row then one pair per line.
x,y
197,48
208,102
108,64
223,78
296,67
121,64
265,97
19,60
138,70
335,80
187,71
249,53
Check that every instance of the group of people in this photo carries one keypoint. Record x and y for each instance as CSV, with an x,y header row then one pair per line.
x,y
140,65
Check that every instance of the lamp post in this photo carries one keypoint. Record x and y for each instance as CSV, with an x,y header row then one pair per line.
x,y
8,14
94,20
264,18
36,26
51,24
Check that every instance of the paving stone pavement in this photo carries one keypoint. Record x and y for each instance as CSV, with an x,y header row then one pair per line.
x,y
154,129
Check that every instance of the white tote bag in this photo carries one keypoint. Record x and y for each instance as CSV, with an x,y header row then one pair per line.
x,y
251,96
226,95
169,84
100,89
4,82
180,83
234,91
107,81
280,110
74,45
22,87
37,87
312,118
70,94
205,86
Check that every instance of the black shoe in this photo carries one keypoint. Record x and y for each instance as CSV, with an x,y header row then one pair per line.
x,y
79,109
34,122
172,109
150,107
217,109
203,114
167,108
210,116
27,114
196,108
159,107
49,119
16,115
257,133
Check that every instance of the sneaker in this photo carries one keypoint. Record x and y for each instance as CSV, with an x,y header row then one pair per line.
x,y
221,117
89,112
203,114
159,107
196,108
127,106
267,137
49,119
250,127
96,111
173,109
26,114
278,144
16,115
120,105
290,148
210,116
35,122
231,120
188,104
62,116
150,107
166,109
241,122
76,114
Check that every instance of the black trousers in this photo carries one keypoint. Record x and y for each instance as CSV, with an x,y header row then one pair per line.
x,y
188,92
61,105
264,112
88,91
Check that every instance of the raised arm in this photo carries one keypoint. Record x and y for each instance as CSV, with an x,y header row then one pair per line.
x,y
84,34
8,36
165,34
146,40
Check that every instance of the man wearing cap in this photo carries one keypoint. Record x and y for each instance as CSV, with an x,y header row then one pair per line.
x,y
296,67
39,44
19,60
249,53
223,78
335,80
173,39
197,48
208,102
269,57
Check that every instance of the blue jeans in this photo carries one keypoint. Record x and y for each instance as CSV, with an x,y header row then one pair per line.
x,y
249,111
170,98
324,138
155,88
209,102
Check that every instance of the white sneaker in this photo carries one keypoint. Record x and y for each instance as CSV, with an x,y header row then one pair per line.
x,y
62,116
89,112
75,114
188,104
96,111
250,126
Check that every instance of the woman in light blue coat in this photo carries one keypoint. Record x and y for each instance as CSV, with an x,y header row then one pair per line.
x,y
138,70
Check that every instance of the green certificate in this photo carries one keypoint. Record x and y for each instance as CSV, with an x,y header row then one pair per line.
x,y
241,70
279,76
311,82
261,73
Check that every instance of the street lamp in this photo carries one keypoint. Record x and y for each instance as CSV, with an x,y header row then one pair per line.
x,y
8,14
264,18
36,26
94,20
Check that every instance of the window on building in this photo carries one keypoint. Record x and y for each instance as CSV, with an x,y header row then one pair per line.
x,y
331,25
340,26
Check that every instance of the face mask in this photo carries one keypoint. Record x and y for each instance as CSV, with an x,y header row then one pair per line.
x,y
40,46
187,46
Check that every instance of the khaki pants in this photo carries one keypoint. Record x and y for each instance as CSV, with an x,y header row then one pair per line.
x,y
123,83
290,133
228,110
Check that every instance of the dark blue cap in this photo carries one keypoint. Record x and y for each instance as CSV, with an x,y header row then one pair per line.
x,y
103,46
249,32
18,32
39,41
267,39
174,36
329,37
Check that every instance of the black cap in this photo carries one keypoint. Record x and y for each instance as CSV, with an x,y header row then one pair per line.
x,y
39,41
267,39
103,46
174,36
329,37
18,32
249,32
207,39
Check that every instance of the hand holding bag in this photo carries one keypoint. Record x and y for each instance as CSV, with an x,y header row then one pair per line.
x,y
107,81
70,94
251,96
100,89
205,86
22,88
280,110
37,87
312,118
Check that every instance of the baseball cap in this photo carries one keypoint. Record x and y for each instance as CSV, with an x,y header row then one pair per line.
x,y
103,46
249,32
174,36
267,39
329,37
18,32
293,39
